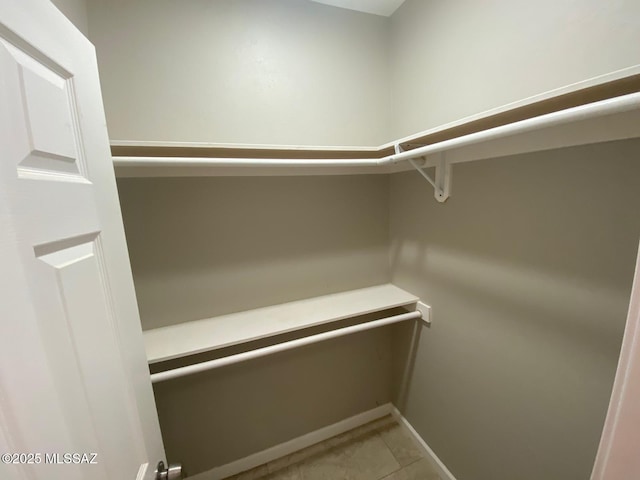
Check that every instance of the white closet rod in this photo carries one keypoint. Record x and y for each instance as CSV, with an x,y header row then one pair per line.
x,y
602,108
610,106
280,347
240,162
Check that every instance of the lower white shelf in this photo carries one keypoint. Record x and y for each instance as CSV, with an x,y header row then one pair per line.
x,y
209,334
281,347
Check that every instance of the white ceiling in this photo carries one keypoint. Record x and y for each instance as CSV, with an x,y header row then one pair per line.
x,y
384,8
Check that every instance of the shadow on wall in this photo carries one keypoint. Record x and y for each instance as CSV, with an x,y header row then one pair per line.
x,y
201,247
565,305
537,233
222,415
405,341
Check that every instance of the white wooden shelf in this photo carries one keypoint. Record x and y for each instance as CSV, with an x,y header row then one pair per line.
x,y
596,110
199,336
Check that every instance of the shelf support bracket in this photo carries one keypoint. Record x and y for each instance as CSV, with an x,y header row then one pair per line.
x,y
442,183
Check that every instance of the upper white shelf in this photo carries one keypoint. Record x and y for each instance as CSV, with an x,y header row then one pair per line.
x,y
601,109
199,336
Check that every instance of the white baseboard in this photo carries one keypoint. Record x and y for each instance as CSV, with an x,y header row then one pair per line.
x,y
443,471
317,436
292,446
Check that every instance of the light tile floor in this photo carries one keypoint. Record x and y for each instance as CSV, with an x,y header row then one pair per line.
x,y
376,451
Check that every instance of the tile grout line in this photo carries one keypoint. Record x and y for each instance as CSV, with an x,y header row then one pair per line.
x,y
384,442
401,467
390,422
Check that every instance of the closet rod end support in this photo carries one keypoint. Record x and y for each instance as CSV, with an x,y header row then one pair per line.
x,y
426,313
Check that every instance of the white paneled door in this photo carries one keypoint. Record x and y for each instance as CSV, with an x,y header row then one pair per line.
x,y
75,395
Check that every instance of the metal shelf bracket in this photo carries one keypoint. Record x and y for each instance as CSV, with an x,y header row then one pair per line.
x,y
442,183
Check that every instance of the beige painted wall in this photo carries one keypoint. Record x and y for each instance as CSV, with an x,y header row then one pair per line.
x,y
244,71
76,11
202,247
298,72
528,268
216,417
451,59
504,385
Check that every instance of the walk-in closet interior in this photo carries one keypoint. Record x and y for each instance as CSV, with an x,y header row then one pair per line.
x,y
259,145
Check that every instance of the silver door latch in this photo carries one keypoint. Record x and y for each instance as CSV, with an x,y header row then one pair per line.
x,y
173,472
